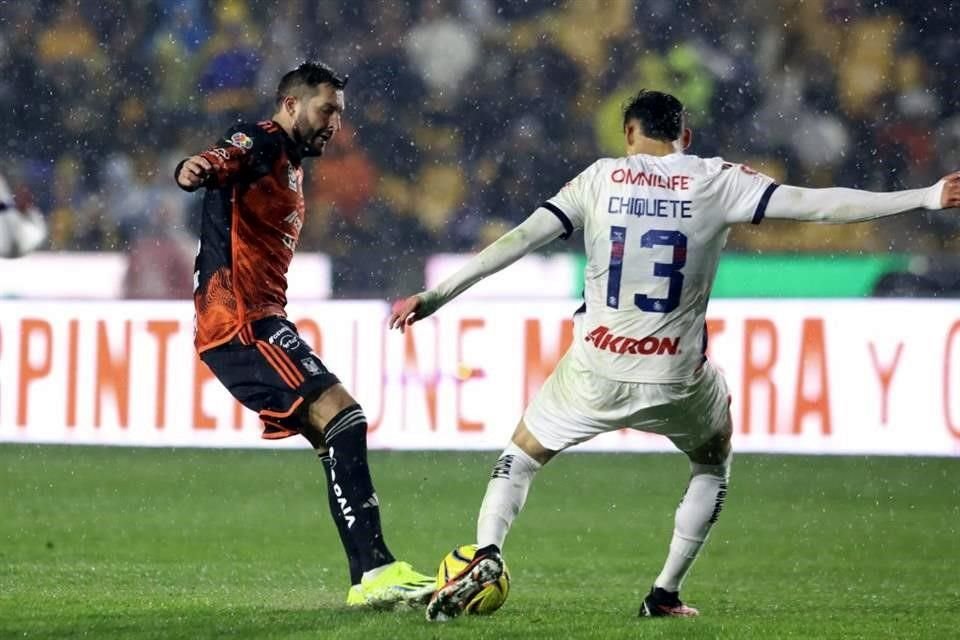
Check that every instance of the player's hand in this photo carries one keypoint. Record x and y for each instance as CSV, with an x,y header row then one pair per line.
x,y
404,313
950,197
194,172
413,309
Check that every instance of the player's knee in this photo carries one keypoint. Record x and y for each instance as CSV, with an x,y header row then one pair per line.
x,y
333,417
323,411
528,443
713,457
721,470
715,452
349,426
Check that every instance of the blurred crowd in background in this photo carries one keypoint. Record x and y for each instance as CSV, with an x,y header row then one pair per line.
x,y
463,115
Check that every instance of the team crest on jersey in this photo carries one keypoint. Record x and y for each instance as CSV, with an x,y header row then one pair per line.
x,y
293,178
241,140
311,366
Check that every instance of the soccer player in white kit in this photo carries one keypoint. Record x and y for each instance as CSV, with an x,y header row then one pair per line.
x,y
20,231
654,223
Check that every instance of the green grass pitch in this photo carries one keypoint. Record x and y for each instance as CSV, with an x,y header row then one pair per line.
x,y
141,543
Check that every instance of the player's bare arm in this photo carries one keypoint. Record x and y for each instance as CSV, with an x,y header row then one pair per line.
x,y
194,172
839,205
541,228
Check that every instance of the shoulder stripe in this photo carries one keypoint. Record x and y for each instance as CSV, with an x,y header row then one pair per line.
x,y
555,210
268,125
764,201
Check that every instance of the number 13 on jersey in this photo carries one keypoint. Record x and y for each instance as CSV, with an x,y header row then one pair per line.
x,y
670,270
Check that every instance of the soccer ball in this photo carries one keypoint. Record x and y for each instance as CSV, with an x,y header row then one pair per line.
x,y
491,597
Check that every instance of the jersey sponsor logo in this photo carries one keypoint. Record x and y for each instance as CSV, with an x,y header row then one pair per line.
x,y
345,509
241,140
644,179
294,176
290,240
652,208
286,338
718,505
293,219
603,339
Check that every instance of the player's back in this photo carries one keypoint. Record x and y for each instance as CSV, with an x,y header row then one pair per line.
x,y
654,227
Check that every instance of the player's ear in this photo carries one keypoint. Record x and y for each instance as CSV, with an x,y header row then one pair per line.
x,y
687,137
289,104
630,132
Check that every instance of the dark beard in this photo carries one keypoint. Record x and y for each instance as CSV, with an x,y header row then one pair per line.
x,y
308,150
304,146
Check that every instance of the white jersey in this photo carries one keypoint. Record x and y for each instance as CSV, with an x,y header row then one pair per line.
x,y
20,231
653,231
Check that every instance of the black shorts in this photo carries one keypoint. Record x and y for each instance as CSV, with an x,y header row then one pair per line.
x,y
271,370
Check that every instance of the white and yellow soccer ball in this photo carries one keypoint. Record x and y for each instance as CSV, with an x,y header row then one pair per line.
x,y
491,597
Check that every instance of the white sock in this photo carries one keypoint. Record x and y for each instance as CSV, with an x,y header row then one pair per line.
x,y
506,493
696,514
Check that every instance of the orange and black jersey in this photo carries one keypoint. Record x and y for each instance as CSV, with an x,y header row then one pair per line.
x,y
253,211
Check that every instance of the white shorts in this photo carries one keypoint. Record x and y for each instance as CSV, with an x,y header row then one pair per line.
x,y
575,404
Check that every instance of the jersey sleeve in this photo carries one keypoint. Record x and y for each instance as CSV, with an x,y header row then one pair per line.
x,y
243,152
572,203
742,193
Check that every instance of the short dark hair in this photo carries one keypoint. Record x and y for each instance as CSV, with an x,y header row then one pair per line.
x,y
660,114
308,74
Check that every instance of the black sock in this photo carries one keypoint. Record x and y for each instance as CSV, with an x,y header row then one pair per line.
x,y
352,560
353,501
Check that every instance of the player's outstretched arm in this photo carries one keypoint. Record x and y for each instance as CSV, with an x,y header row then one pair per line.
x,y
838,205
539,229
243,148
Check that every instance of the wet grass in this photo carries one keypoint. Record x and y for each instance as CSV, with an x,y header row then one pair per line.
x,y
158,543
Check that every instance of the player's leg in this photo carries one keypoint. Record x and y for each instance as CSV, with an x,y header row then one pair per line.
x,y
336,426
695,516
353,556
509,485
259,369
558,417
295,393
506,494
337,429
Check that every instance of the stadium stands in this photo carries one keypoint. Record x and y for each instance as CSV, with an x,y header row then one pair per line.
x,y
463,116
